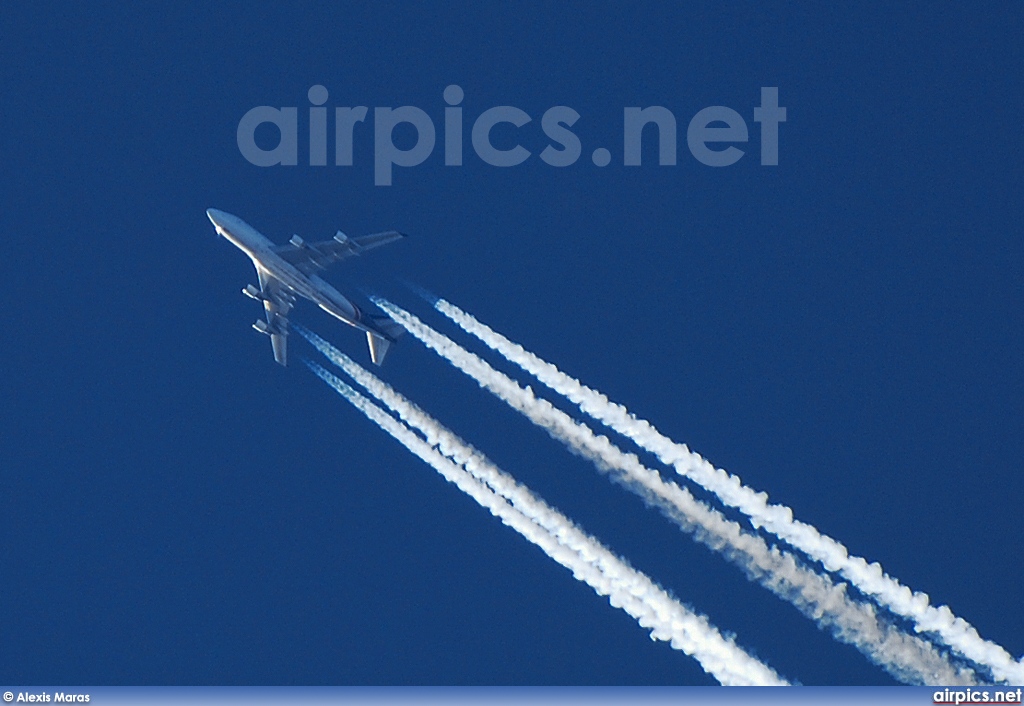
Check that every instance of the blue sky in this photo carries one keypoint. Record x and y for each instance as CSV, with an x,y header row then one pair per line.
x,y
842,330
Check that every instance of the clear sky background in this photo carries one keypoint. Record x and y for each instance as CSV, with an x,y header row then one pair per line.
x,y
842,330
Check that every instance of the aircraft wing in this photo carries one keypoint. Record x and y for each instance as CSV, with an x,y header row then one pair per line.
x,y
278,301
310,257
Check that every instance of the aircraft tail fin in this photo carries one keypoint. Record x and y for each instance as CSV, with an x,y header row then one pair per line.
x,y
378,347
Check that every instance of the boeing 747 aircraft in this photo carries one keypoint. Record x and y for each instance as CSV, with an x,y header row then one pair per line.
x,y
288,270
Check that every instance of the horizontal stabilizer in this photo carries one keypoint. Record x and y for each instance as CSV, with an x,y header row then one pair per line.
x,y
378,347
388,326
280,345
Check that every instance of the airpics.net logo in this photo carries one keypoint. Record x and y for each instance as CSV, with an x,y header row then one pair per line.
x,y
711,135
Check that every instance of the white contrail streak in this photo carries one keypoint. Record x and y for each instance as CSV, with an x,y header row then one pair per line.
x,y
907,658
778,519
591,562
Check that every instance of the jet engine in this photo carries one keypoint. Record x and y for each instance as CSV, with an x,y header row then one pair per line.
x,y
250,291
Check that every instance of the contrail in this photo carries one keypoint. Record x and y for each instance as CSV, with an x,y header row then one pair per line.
x,y
905,657
778,519
588,559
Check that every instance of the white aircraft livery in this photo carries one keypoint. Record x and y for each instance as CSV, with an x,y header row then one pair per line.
x,y
287,271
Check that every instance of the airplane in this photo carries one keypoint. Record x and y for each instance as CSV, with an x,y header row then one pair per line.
x,y
287,271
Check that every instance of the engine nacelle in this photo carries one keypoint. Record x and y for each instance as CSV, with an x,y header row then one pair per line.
x,y
250,291
297,241
342,238
262,327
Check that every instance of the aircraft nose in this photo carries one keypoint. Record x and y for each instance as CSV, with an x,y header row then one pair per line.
x,y
214,215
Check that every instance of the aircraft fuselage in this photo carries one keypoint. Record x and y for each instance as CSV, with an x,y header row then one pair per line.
x,y
261,251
